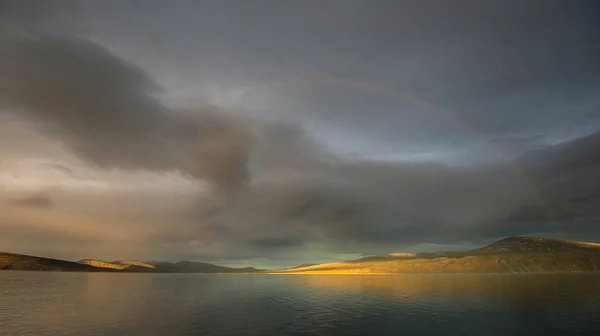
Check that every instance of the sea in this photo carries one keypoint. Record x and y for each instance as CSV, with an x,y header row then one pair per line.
x,y
48,303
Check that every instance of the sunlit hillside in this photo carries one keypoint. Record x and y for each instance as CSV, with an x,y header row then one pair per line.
x,y
510,255
133,263
20,262
102,264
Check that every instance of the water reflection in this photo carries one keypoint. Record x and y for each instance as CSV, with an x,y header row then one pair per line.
x,y
36,303
50,301
527,302
575,290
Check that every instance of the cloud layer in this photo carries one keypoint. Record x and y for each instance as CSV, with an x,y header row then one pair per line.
x,y
99,158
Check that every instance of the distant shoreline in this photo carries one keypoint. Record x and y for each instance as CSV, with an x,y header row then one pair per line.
x,y
512,255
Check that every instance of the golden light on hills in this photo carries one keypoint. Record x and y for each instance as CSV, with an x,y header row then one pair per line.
x,y
510,255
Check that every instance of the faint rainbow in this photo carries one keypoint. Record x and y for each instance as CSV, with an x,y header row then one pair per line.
x,y
510,163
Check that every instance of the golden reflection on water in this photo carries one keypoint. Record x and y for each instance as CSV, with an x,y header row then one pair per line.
x,y
36,303
116,295
574,289
52,300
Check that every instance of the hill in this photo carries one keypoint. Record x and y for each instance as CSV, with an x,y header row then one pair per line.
x,y
198,267
101,264
121,265
522,244
133,263
21,262
509,255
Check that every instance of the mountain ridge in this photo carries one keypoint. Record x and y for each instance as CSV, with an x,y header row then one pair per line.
x,y
524,244
516,254
23,262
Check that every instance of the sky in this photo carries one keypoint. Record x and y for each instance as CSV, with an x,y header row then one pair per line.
x,y
275,133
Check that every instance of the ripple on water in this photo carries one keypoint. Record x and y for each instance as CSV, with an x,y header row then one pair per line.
x,y
166,304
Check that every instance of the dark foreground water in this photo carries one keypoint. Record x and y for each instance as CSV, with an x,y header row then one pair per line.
x,y
169,304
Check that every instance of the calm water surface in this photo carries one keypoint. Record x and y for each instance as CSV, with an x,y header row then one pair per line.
x,y
192,304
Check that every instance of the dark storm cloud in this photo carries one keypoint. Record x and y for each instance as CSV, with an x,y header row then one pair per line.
x,y
273,243
321,198
284,189
568,176
373,202
105,110
35,13
572,156
507,69
81,91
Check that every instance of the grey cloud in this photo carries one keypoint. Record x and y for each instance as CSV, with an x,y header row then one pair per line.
x,y
568,178
368,202
206,233
82,93
506,75
569,156
38,201
318,196
61,168
283,189
31,15
273,243
45,242
105,110
340,200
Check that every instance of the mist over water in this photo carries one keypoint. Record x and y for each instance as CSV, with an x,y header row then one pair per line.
x,y
192,304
